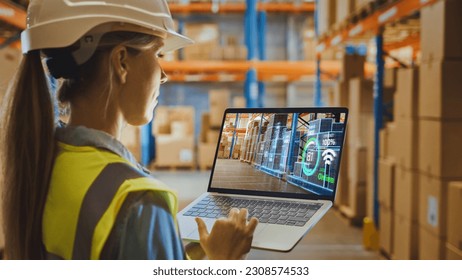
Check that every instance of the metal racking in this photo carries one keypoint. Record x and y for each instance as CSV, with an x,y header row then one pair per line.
x,y
372,24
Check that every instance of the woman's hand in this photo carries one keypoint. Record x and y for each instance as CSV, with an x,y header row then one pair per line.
x,y
230,238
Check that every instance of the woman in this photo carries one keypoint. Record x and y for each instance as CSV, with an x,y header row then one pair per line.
x,y
75,192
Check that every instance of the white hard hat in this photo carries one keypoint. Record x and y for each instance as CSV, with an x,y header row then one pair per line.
x,y
60,23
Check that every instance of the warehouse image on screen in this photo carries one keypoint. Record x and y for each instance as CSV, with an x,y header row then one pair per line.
x,y
280,152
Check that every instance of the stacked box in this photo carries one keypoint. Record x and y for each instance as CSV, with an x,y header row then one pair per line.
x,y
454,222
440,122
174,133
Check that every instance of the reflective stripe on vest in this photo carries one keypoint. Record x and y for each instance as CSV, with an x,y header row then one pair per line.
x,y
97,199
93,207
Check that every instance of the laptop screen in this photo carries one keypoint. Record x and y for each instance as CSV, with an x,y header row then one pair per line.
x,y
290,152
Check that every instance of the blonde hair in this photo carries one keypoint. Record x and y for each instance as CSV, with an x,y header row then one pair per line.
x,y
28,144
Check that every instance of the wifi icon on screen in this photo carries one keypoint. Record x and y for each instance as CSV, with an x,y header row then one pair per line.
x,y
328,156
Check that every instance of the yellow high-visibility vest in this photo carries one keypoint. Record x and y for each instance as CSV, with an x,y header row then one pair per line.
x,y
88,186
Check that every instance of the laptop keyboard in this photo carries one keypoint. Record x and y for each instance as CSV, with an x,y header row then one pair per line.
x,y
266,210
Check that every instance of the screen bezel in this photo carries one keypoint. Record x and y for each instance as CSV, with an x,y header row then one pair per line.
x,y
318,110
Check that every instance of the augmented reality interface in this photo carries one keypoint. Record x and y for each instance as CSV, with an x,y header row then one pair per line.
x,y
280,152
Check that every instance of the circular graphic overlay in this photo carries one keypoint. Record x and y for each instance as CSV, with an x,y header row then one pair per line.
x,y
310,146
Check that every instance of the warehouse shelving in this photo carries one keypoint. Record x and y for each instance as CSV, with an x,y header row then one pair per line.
x,y
254,71
372,25
226,71
12,14
239,7
14,19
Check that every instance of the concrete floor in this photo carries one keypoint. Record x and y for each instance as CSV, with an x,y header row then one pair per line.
x,y
331,239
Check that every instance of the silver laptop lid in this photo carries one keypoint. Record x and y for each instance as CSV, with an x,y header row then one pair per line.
x,y
280,152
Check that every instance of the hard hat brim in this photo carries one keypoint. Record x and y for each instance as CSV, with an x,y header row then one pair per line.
x,y
34,39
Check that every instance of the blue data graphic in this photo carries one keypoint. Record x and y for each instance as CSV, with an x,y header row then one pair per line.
x,y
320,151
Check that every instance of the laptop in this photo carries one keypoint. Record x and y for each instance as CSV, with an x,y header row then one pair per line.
x,y
282,164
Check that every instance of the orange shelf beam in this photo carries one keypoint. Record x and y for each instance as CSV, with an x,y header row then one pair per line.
x,y
410,41
240,7
373,23
286,7
284,71
16,44
12,14
206,8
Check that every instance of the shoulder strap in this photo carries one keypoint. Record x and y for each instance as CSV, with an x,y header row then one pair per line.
x,y
97,199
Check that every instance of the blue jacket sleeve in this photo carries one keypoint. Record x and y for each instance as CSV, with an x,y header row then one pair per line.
x,y
144,229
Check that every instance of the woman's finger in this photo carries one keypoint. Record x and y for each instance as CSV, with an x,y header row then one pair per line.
x,y
202,228
243,214
252,225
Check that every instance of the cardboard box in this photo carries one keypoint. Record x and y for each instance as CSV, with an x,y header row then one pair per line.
x,y
205,125
342,194
352,67
344,8
341,96
452,253
440,37
360,109
405,145
218,102
406,195
440,85
361,3
391,144
390,78
357,164
386,182
406,94
174,151
357,199
361,98
206,38
239,102
405,238
326,15
206,155
439,148
166,115
431,247
386,229
180,128
383,142
454,223
433,204
213,135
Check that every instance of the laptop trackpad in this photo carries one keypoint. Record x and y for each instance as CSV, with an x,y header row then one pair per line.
x,y
276,237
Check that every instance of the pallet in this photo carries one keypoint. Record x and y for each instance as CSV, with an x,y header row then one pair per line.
x,y
174,168
205,167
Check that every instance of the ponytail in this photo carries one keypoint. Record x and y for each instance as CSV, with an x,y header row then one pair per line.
x,y
28,147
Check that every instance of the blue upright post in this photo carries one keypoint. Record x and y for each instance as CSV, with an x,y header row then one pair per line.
x,y
250,23
233,141
378,113
251,89
290,161
318,84
261,54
